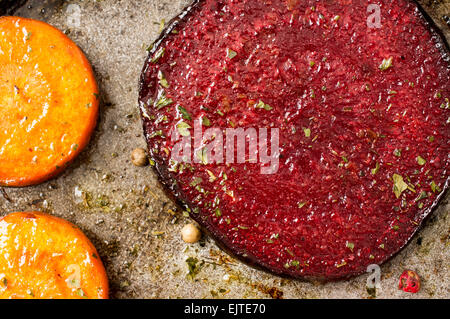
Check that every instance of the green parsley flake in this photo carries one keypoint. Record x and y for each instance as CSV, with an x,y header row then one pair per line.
x,y
290,252
435,188
163,101
262,105
421,161
163,80
376,169
206,121
301,204
183,129
156,133
184,113
81,293
446,104
201,155
421,196
386,64
350,246
398,152
194,266
399,185
212,177
158,55
231,54
307,132
196,181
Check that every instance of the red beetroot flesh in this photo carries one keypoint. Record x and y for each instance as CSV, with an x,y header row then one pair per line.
x,y
330,210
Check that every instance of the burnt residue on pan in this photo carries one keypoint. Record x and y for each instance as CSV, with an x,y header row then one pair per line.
x,y
8,7
38,9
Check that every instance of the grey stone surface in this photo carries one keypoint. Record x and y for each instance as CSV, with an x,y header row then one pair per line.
x,y
127,215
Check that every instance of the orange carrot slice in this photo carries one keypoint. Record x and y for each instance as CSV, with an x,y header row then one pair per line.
x,y
48,101
46,257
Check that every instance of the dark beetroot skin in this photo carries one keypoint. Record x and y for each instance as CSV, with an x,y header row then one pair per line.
x,y
330,210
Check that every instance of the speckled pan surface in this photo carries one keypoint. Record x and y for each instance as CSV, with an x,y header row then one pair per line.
x,y
124,210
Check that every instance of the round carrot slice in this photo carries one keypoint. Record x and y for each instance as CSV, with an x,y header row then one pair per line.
x,y
46,257
48,101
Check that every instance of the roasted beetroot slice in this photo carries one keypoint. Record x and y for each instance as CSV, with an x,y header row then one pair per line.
x,y
363,119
